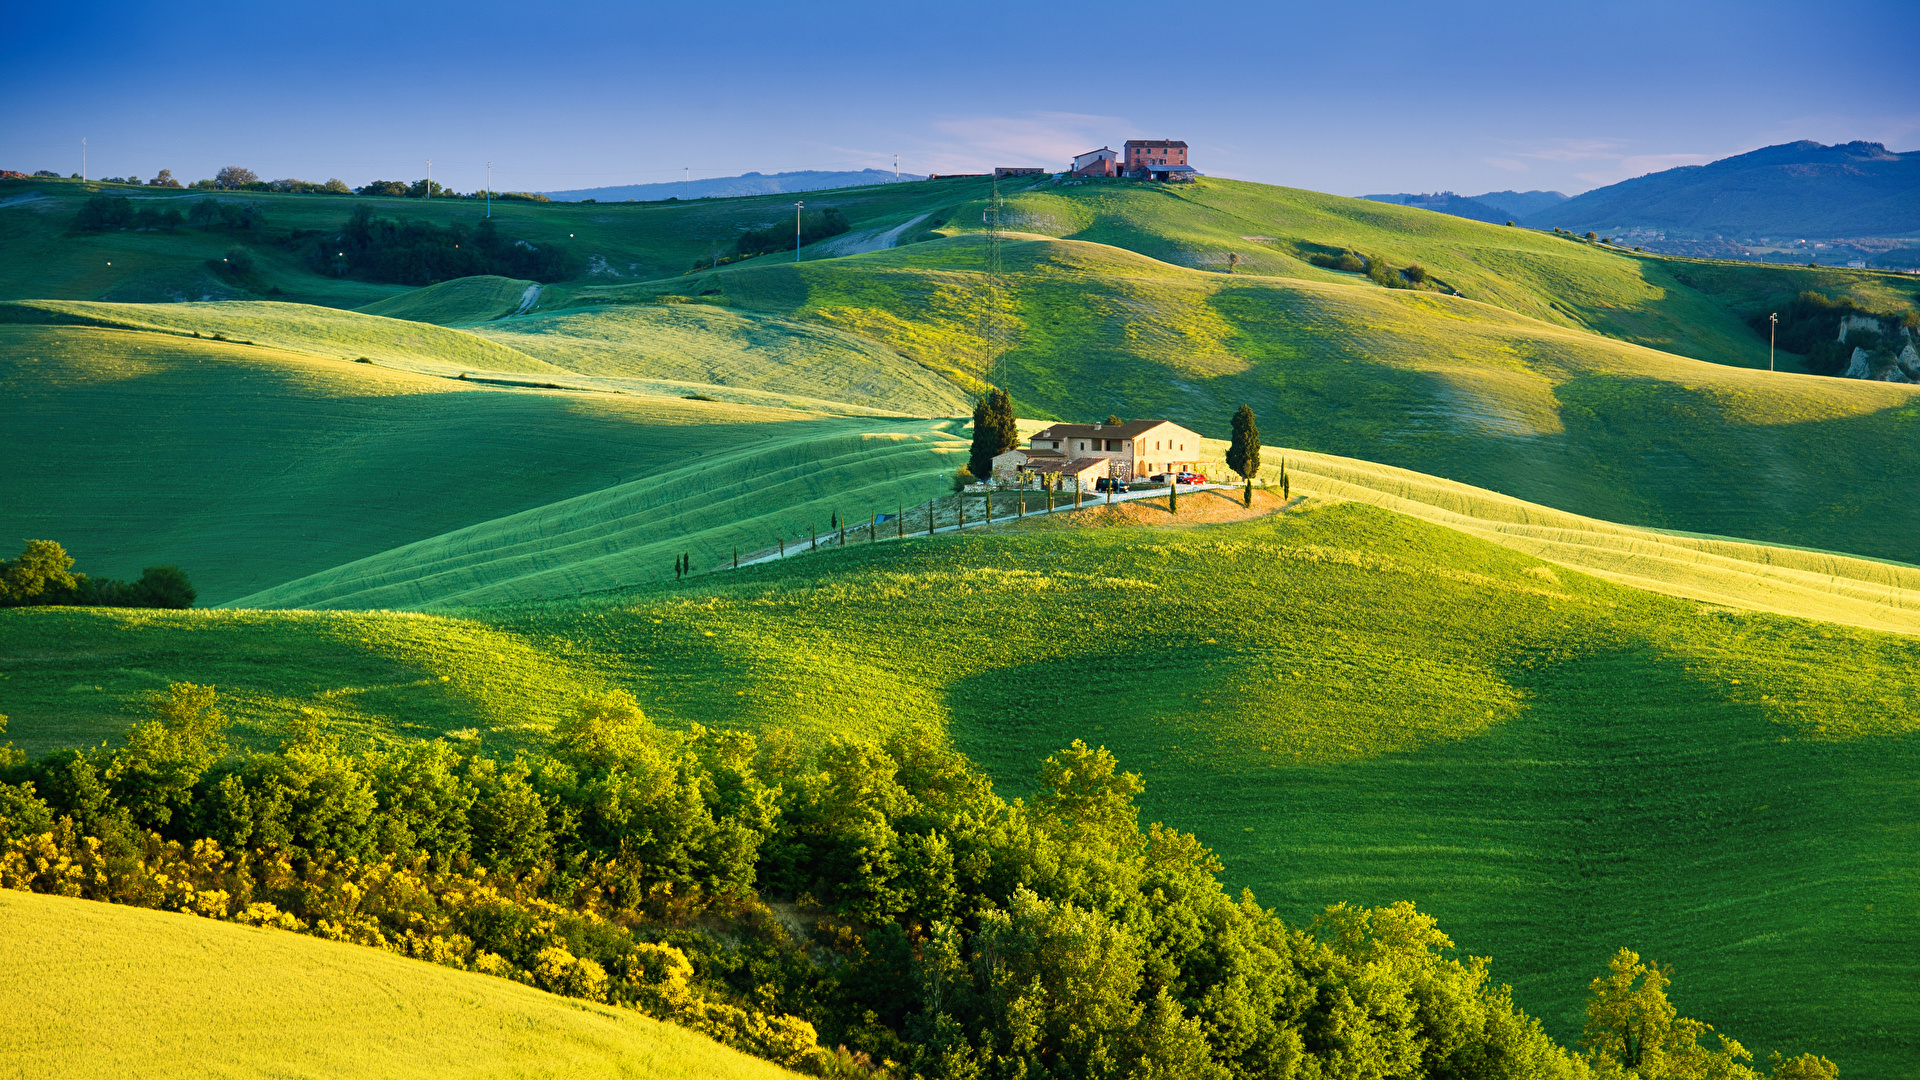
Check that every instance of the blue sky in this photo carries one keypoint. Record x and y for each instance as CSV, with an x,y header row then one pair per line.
x,y
1342,97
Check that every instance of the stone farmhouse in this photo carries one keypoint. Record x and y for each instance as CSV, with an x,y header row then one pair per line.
x,y
1142,159
1088,452
1156,159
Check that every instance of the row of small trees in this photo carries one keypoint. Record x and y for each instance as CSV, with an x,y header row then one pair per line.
x,y
43,575
240,178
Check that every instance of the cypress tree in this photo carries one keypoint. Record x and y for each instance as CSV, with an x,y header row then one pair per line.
x,y
1243,456
994,432
1247,498
1173,496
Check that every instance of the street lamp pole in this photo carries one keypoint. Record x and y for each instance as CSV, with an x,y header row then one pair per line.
x,y
1773,321
489,189
796,230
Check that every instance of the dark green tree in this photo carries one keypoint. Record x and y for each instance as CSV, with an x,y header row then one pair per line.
x,y
1243,455
994,431
165,586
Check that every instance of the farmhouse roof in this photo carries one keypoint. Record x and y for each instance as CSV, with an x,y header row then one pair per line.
x,y
1062,465
1157,143
1098,431
1102,150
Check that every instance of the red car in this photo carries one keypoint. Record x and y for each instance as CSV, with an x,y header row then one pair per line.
x,y
1192,478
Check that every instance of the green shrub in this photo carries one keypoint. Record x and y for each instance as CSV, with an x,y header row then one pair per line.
x,y
237,262
1347,261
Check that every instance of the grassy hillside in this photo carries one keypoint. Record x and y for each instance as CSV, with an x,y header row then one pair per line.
x,y
704,345
1438,384
1346,703
108,990
300,328
1640,298
777,488
251,466
462,300
1648,300
618,241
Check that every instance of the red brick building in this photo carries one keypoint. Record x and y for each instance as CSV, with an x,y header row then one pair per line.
x,y
1141,154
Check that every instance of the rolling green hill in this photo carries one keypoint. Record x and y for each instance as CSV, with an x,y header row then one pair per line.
x,y
1437,384
301,328
1346,703
104,990
618,241
252,466
702,345
1643,299
460,301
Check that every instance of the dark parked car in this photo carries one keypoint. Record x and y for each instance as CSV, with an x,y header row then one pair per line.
x,y
1107,483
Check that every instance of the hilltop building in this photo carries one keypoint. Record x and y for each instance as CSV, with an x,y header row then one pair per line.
x,y
1102,162
1000,171
1087,452
1156,159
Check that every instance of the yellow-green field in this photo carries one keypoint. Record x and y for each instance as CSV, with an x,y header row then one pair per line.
x,y
1346,703
103,990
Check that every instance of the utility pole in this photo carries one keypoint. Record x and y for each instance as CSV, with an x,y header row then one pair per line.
x,y
896,166
1773,320
489,189
796,230
429,178
83,159
686,184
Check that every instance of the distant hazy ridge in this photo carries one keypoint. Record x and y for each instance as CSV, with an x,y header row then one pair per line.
x,y
723,187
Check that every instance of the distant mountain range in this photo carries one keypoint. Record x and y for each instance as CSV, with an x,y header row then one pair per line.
x,y
1494,206
1797,202
723,187
1800,189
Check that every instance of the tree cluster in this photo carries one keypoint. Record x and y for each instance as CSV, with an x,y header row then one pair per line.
x,y
109,212
815,225
420,253
994,432
428,189
1347,261
42,575
931,928
103,213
